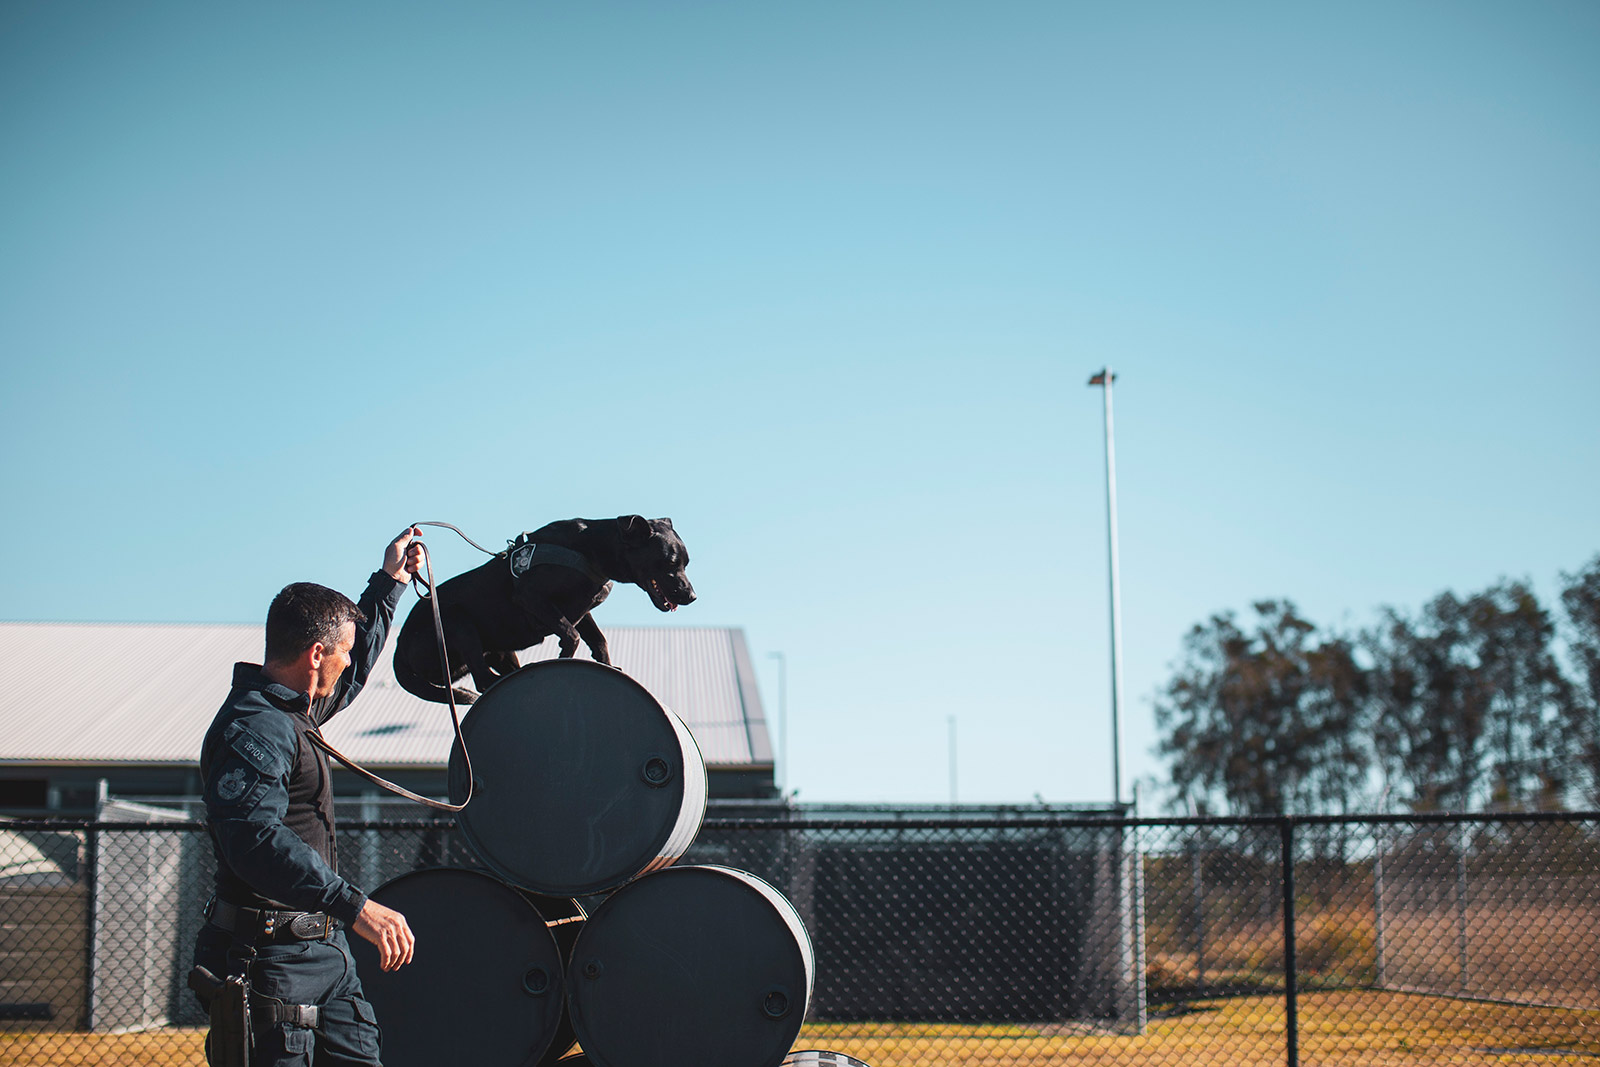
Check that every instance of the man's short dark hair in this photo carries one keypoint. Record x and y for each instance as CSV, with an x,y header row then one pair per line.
x,y
303,614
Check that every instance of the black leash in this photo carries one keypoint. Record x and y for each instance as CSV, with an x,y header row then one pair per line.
x,y
315,733
428,585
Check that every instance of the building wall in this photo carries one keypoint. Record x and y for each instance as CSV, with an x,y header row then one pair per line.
x,y
43,955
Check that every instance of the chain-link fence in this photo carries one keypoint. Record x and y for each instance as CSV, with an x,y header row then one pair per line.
x,y
1019,940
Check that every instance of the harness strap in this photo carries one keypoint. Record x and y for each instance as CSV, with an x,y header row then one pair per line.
x,y
523,556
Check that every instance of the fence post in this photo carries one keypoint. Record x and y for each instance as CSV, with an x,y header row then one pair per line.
x,y
1380,835
1290,991
1128,946
92,872
1141,994
1461,900
1197,874
91,861
369,840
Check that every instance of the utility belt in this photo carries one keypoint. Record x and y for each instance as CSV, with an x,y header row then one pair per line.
x,y
261,926
237,1014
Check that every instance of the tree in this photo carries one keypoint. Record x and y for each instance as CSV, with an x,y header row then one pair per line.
x,y
1268,720
1429,710
1470,703
1580,597
1530,746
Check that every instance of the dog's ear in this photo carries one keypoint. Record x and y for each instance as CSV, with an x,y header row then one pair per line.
x,y
635,528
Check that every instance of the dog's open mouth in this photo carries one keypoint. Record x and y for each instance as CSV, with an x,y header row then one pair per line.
x,y
659,595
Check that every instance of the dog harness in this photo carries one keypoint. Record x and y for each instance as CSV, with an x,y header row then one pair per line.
x,y
523,556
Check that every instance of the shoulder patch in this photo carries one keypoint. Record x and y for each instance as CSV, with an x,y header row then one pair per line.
x,y
232,784
235,787
256,750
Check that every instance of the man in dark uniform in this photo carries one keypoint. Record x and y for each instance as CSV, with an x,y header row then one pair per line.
x,y
280,905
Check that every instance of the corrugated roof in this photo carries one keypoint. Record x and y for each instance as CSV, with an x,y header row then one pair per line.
x,y
145,693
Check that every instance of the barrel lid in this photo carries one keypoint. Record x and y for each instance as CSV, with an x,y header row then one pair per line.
x,y
486,986
701,965
583,779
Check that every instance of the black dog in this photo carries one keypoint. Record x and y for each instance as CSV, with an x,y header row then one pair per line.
x,y
547,582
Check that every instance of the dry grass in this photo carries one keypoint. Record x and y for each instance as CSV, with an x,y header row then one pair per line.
x,y
1336,1029
1539,952
161,1048
1530,951
1367,1029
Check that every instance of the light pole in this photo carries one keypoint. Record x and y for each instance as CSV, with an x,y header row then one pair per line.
x,y
1104,380
952,720
781,770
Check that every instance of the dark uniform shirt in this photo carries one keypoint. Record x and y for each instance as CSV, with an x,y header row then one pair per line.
x,y
268,791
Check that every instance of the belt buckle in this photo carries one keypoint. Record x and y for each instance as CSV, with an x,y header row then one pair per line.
x,y
309,925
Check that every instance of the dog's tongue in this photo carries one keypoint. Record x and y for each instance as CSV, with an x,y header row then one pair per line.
x,y
672,607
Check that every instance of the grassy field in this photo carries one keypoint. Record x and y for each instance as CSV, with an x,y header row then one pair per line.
x,y
1497,947
1336,1029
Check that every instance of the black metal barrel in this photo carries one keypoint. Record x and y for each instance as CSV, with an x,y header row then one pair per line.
x,y
698,965
486,986
583,780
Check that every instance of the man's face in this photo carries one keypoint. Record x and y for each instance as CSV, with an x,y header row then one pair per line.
x,y
334,662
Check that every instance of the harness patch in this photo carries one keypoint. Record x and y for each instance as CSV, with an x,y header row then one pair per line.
x,y
521,560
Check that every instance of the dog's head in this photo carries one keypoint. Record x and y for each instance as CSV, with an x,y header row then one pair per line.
x,y
658,558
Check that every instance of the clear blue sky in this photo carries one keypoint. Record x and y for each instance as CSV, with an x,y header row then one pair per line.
x,y
822,282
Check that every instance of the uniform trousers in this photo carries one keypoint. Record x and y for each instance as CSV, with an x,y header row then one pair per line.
x,y
299,972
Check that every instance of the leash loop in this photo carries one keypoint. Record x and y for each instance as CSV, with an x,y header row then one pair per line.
x,y
315,733
428,585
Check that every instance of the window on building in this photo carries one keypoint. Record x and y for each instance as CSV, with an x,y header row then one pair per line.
x,y
24,792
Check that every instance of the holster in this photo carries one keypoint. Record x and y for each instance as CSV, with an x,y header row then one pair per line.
x,y
228,1001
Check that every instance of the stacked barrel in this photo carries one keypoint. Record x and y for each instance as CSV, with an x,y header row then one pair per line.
x,y
585,786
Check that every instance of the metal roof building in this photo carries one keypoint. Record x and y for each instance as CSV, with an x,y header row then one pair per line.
x,y
130,702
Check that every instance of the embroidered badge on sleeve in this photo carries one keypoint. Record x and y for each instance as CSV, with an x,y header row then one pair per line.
x,y
232,784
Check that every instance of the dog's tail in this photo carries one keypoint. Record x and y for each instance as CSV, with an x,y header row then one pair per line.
x,y
426,688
